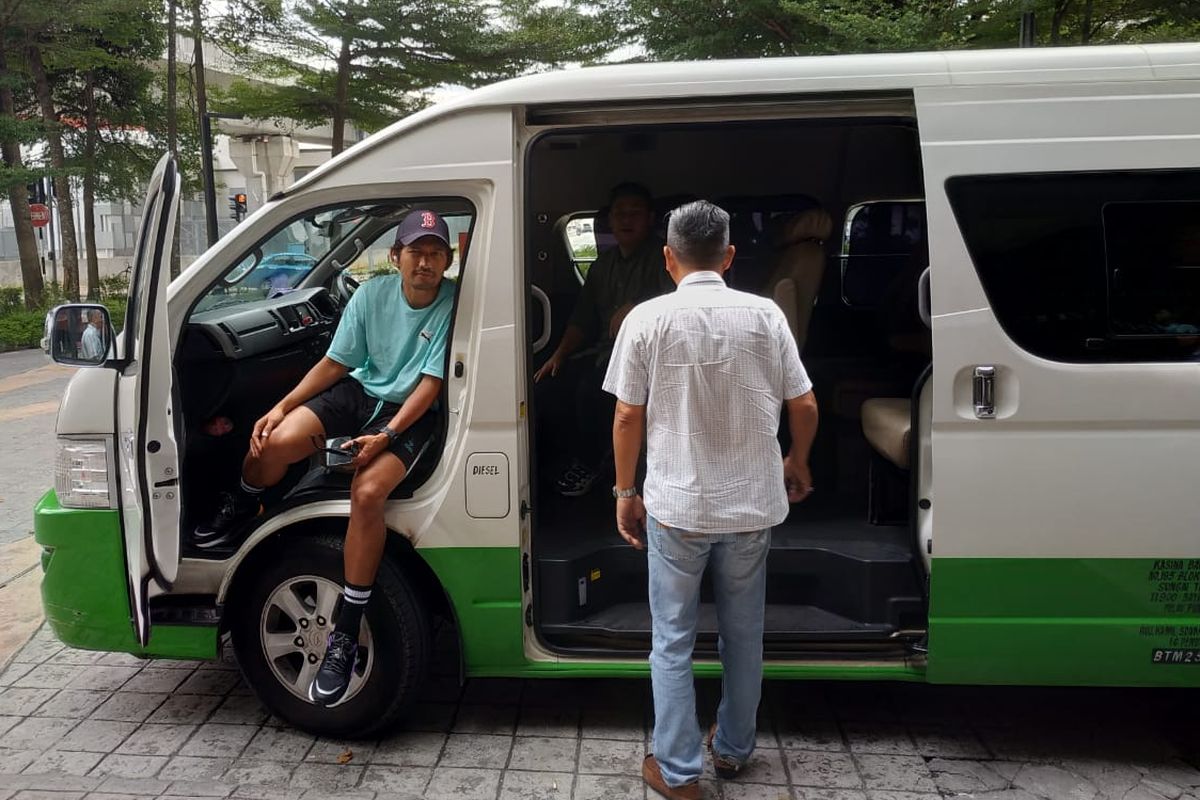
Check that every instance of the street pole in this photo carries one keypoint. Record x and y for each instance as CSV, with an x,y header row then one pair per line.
x,y
206,159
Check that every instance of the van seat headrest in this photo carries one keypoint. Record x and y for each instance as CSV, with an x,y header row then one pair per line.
x,y
813,224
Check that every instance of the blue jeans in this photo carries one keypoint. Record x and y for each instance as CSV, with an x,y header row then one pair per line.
x,y
739,577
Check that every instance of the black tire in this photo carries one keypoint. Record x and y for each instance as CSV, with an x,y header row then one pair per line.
x,y
400,630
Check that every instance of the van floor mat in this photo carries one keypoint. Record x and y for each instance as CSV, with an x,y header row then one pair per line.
x,y
783,624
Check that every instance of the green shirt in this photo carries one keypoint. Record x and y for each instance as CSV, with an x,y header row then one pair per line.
x,y
613,281
387,343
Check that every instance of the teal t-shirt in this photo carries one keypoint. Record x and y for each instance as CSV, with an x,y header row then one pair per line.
x,y
387,343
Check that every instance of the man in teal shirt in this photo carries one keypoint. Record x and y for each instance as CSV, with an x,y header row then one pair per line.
x,y
378,382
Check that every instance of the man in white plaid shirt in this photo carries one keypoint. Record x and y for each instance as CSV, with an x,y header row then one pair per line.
x,y
706,370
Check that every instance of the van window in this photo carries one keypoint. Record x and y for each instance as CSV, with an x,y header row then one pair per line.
x,y
1088,267
879,240
580,233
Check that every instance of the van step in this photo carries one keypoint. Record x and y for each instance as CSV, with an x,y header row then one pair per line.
x,y
783,625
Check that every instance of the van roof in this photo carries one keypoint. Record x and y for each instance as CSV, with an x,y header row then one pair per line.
x,y
824,74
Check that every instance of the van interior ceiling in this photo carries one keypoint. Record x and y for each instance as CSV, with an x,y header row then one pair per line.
x,y
845,573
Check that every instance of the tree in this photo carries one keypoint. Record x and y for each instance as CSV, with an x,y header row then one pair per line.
x,y
1087,22
370,61
15,176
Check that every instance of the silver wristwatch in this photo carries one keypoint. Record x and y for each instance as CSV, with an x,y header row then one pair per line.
x,y
630,492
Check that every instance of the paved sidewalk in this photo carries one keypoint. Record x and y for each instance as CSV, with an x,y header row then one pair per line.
x,y
76,724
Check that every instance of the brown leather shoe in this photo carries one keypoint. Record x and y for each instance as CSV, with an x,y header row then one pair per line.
x,y
652,775
724,766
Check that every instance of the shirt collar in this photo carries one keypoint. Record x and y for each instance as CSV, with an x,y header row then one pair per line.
x,y
704,277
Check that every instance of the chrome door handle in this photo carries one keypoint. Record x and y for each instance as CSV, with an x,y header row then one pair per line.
x,y
983,393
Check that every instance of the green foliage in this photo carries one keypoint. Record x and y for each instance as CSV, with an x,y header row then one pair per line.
x,y
11,299
21,329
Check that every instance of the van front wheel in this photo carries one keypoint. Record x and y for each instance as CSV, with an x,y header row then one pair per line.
x,y
283,618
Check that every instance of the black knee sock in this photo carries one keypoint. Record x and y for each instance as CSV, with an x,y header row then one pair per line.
x,y
354,602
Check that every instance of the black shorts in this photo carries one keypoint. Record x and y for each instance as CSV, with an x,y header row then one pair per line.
x,y
345,409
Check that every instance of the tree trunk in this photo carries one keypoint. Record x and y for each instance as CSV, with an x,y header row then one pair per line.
x,y
341,98
201,90
1060,13
1086,35
89,188
172,117
62,183
31,268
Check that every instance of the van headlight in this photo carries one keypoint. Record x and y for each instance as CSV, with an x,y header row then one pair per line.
x,y
81,474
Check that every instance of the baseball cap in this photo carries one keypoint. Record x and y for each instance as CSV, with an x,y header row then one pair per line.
x,y
422,223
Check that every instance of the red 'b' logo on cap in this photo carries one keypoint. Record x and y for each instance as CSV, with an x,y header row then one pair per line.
x,y
428,220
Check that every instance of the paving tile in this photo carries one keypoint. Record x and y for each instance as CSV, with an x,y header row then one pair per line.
x,y
138,786
602,756
253,791
442,690
71,762
55,782
476,750
625,722
964,776
41,794
329,751
609,787
878,738
122,660
279,744
557,693
37,732
125,766
97,736
326,777
185,709
876,794
809,734
397,783
519,785
1045,780
492,691
429,717
240,710
101,678
156,739
72,703
172,663
270,773
48,676
739,790
195,768
560,721
155,680
765,766
338,794
454,783
115,796
23,702
7,723
82,658
180,789
15,672
543,754
945,741
210,681
902,773
493,719
410,749
38,650
816,793
129,707
827,770
218,740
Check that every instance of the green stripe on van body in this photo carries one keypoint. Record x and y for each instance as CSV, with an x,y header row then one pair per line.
x,y
1069,621
84,592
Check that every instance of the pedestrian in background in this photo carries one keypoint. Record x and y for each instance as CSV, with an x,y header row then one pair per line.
x,y
706,371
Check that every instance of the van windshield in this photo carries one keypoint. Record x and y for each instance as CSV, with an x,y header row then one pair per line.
x,y
282,261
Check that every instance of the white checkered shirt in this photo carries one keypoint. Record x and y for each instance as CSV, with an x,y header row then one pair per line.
x,y
712,366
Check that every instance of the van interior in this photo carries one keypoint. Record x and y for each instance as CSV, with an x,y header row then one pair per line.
x,y
827,217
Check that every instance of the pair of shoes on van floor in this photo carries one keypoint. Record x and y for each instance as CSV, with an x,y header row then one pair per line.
x,y
577,480
234,509
652,775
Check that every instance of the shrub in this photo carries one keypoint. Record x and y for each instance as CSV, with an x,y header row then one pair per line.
x,y
11,299
21,329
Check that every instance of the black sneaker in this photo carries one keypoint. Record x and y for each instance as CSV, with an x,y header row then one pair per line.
x,y
235,509
333,677
577,480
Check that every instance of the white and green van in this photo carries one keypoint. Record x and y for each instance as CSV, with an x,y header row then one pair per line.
x,y
992,260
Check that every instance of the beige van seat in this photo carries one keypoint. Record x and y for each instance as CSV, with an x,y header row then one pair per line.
x,y
799,244
887,422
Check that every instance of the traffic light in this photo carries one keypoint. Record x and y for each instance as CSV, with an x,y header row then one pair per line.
x,y
237,204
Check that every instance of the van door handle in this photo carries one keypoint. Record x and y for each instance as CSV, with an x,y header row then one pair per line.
x,y
983,392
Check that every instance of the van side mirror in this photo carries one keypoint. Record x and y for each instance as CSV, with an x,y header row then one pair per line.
x,y
79,335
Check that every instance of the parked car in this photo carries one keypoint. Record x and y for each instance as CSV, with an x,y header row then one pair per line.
x,y
280,271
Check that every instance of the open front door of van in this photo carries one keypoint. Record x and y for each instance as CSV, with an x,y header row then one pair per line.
x,y
147,452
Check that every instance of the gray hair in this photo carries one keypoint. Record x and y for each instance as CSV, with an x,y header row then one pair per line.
x,y
698,234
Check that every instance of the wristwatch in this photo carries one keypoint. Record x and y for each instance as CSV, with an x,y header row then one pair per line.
x,y
620,493
391,434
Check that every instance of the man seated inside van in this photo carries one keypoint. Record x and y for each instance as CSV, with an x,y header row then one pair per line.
x,y
618,279
378,382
